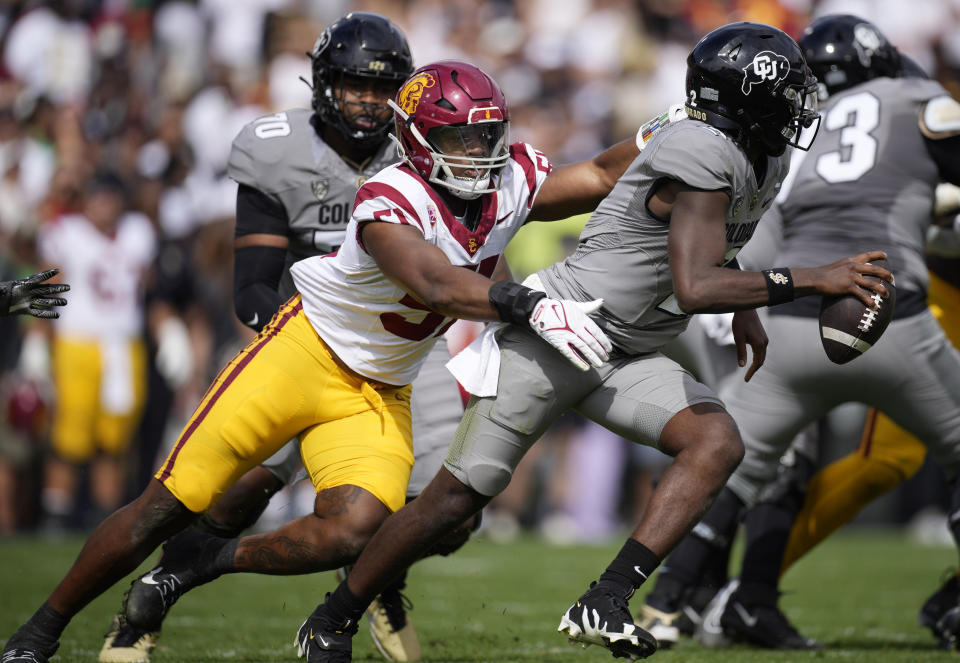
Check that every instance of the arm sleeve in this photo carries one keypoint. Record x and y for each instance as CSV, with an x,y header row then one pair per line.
x,y
258,213
256,277
257,270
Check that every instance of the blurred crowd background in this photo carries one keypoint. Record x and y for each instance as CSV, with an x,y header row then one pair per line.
x,y
153,92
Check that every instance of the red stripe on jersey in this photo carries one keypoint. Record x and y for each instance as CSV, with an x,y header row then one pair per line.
x,y
519,154
470,241
227,381
371,190
869,428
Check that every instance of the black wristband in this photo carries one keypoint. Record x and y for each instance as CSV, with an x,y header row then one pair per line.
x,y
514,302
779,285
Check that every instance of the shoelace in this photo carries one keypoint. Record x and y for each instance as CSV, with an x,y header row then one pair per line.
x,y
395,605
128,636
620,605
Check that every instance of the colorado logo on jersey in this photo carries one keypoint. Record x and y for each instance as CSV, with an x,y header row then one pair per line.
x,y
412,91
766,66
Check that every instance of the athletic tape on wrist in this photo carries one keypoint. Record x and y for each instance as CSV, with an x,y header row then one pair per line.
x,y
514,302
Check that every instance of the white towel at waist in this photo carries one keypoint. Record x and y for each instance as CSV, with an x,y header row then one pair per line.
x,y
116,376
477,366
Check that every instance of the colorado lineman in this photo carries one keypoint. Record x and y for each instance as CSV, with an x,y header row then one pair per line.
x,y
656,250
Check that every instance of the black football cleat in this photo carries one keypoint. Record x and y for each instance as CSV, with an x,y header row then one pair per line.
x,y
185,564
22,655
601,617
935,610
320,640
125,644
763,625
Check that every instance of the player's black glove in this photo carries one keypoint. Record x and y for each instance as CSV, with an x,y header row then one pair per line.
x,y
31,296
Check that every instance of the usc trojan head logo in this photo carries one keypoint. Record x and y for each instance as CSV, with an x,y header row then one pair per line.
x,y
412,90
766,66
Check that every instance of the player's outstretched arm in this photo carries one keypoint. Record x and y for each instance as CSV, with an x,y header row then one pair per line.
x,y
697,247
31,296
579,187
423,271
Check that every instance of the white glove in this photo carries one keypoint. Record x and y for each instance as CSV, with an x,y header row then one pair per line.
x,y
34,364
174,352
564,324
946,199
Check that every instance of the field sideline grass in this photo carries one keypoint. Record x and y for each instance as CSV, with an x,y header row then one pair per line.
x,y
859,594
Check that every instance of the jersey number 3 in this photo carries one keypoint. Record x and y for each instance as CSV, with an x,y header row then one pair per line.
x,y
855,116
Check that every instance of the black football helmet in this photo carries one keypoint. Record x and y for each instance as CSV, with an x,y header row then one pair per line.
x,y
750,81
844,50
364,45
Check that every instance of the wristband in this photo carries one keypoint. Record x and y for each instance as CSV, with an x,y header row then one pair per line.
x,y
779,285
514,302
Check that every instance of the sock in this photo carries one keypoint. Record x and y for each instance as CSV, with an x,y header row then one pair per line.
x,y
630,568
42,631
344,607
210,525
685,566
767,532
221,554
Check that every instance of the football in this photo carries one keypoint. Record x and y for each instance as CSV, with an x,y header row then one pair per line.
x,y
848,328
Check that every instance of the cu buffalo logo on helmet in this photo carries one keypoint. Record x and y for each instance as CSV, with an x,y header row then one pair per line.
x,y
767,66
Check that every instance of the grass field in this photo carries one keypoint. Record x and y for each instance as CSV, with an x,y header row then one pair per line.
x,y
859,594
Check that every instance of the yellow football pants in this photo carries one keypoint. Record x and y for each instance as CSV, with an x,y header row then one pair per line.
x,y
81,425
287,383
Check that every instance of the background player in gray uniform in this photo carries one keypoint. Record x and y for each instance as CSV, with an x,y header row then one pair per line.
x,y
870,178
655,251
298,173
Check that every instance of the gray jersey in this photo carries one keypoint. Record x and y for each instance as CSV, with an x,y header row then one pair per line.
x,y
283,157
622,255
867,183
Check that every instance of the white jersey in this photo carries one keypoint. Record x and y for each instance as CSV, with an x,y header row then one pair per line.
x,y
105,272
374,326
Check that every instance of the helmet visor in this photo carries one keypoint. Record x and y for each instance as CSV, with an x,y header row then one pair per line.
x,y
470,155
469,142
804,104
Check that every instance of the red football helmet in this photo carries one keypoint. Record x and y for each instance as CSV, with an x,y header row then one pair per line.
x,y
453,127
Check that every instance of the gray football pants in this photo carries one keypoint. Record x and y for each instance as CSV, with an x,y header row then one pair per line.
x,y
912,374
634,397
